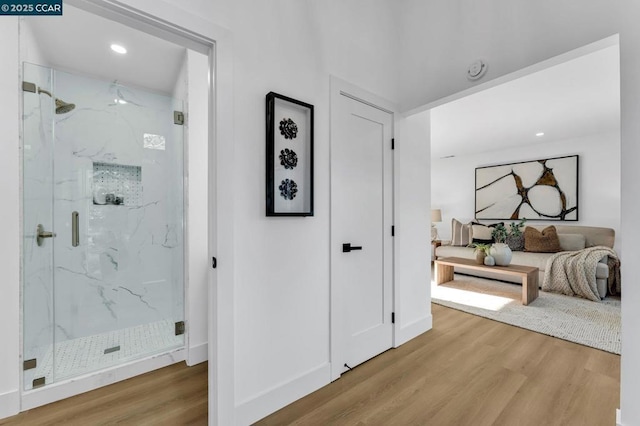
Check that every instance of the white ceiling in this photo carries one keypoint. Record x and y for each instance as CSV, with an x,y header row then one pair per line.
x,y
79,41
570,100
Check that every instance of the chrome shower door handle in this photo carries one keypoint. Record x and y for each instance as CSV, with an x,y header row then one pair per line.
x,y
41,234
75,230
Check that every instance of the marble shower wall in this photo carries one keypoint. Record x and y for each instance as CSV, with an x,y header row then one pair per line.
x,y
128,268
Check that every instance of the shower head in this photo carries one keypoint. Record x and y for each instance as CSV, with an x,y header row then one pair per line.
x,y
62,107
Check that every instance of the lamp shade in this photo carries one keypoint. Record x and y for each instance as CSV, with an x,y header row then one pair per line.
x,y
436,215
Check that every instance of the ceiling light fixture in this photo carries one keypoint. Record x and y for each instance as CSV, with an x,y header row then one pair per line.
x,y
539,134
120,101
118,49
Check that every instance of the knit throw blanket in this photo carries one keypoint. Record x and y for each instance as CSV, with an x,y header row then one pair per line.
x,y
574,272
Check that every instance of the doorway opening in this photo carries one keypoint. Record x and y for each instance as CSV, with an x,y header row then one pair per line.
x,y
567,105
108,136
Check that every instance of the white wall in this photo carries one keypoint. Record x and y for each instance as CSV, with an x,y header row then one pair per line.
x,y
192,87
411,215
282,264
441,38
453,179
630,177
30,51
198,190
9,219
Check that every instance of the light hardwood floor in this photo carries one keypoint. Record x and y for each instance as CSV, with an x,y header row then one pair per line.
x,y
174,395
466,371
469,371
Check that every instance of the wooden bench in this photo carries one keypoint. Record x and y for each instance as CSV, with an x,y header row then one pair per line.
x,y
528,274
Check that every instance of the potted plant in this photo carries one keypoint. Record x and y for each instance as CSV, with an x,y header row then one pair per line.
x,y
481,251
500,250
499,233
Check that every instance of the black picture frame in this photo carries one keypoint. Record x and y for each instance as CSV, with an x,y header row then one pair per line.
x,y
556,179
289,156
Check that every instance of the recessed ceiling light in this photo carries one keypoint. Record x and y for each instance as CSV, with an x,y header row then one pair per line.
x,y
539,134
120,101
118,49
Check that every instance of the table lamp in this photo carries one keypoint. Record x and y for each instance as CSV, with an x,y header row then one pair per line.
x,y
436,216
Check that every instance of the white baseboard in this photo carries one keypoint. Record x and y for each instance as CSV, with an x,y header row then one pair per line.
x,y
9,403
267,402
618,417
89,382
412,330
198,354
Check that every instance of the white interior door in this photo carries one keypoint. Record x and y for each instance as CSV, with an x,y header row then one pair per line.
x,y
361,219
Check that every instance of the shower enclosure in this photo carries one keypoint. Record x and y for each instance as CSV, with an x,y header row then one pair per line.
x,y
103,219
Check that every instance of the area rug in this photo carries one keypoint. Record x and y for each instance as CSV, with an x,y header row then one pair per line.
x,y
594,324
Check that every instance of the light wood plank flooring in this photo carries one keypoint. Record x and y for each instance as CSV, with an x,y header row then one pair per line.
x,y
469,371
174,395
466,371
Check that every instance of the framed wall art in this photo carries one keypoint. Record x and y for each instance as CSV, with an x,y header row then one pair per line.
x,y
289,156
536,190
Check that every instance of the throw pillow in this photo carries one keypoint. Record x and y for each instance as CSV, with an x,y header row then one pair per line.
x,y
482,233
541,242
572,242
516,243
460,233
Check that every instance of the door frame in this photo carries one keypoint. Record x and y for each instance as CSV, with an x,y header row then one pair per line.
x,y
197,33
337,332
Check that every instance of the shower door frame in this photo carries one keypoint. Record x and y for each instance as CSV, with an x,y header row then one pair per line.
x,y
193,32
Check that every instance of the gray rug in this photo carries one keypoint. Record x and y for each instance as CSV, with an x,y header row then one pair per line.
x,y
594,324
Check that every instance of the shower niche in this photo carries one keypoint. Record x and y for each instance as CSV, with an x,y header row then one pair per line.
x,y
106,285
117,184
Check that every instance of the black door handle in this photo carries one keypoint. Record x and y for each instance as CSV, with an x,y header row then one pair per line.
x,y
347,247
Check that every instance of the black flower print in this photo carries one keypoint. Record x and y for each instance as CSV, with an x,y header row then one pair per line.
x,y
288,189
288,128
288,158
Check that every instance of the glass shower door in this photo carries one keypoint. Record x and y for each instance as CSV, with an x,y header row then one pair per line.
x,y
116,207
37,254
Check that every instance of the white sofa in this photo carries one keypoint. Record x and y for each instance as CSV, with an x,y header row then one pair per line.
x,y
593,236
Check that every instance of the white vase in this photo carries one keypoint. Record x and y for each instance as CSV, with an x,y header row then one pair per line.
x,y
501,253
489,261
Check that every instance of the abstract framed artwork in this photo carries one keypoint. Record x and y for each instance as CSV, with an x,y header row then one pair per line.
x,y
289,156
536,190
